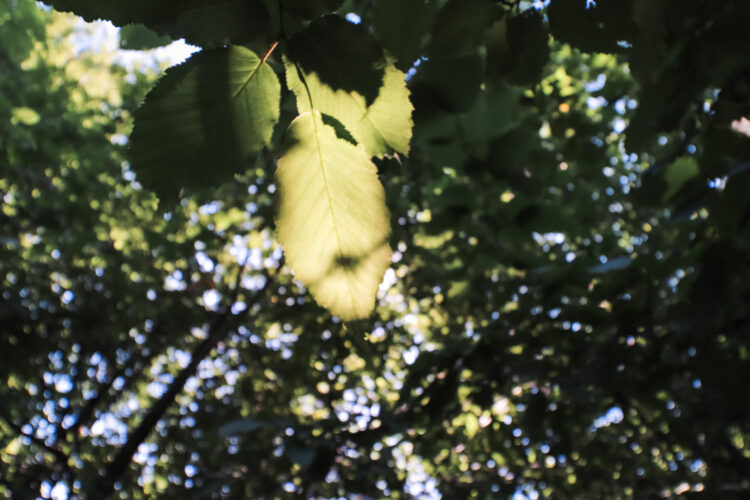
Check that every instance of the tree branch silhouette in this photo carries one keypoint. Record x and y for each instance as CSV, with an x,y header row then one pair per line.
x,y
116,468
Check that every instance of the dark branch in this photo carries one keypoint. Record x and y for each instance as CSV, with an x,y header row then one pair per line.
x,y
217,331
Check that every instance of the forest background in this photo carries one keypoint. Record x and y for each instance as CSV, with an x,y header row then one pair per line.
x,y
538,286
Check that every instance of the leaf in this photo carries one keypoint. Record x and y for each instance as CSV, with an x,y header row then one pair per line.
x,y
382,127
333,222
491,116
402,26
307,9
343,55
201,22
460,25
139,37
204,121
24,115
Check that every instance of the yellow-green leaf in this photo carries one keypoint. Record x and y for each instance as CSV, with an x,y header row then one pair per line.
x,y
382,127
333,222
25,115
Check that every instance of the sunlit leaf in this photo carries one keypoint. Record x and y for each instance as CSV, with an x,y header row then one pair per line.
x,y
332,222
382,127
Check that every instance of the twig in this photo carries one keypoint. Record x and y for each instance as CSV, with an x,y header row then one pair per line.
x,y
120,463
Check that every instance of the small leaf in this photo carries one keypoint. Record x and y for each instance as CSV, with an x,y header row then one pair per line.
x,y
382,127
333,222
205,120
343,55
24,115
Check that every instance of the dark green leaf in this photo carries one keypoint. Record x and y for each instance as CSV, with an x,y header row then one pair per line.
x,y
204,121
402,26
139,37
201,22
460,26
518,48
343,55
453,83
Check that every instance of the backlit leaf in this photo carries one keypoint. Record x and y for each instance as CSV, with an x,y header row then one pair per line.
x,y
381,127
333,222
205,120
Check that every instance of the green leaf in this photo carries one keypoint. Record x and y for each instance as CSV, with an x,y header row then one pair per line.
x,y
402,26
205,120
307,9
139,37
460,26
382,127
24,115
491,116
201,22
343,55
333,222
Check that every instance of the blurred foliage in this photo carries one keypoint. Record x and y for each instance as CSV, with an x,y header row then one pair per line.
x,y
565,314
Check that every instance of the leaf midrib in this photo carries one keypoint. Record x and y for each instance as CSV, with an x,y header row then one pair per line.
x,y
330,203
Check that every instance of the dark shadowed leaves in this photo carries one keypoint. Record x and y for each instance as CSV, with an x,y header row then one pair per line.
x,y
518,48
201,22
453,83
343,55
139,37
601,26
460,25
402,26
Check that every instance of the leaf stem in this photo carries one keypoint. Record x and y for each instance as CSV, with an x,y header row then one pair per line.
x,y
269,52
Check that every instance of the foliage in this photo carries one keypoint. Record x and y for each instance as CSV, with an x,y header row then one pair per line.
x,y
565,311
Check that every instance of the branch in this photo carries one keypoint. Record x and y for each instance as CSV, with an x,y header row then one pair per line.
x,y
61,457
120,463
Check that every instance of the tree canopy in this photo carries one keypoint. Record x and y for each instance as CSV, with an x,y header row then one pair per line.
x,y
375,249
